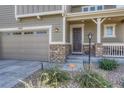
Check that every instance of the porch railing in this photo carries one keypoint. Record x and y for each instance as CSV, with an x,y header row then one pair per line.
x,y
113,50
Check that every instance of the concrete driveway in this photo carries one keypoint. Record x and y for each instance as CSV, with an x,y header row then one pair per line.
x,y
11,71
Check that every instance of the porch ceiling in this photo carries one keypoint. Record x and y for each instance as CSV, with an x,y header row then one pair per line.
x,y
100,14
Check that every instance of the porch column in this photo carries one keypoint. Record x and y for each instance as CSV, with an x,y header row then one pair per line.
x,y
98,45
98,30
98,22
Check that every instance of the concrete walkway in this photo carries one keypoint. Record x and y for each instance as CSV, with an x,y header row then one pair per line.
x,y
11,71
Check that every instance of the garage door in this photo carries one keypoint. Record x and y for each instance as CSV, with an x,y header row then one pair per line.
x,y
28,45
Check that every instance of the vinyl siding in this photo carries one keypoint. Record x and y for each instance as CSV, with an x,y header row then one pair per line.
x,y
118,32
68,33
91,27
78,8
7,20
55,21
7,16
29,9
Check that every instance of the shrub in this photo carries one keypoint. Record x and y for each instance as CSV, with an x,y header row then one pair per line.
x,y
107,64
92,80
54,77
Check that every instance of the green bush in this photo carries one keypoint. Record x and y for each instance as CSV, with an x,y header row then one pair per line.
x,y
54,77
92,80
108,64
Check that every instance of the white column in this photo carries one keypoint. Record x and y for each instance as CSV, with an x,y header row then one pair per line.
x,y
98,22
98,30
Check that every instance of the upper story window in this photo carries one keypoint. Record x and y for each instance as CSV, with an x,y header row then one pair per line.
x,y
109,31
99,7
92,8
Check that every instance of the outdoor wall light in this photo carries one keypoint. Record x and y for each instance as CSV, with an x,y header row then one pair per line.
x,y
56,29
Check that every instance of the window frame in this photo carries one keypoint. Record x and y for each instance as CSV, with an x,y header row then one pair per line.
x,y
113,32
89,8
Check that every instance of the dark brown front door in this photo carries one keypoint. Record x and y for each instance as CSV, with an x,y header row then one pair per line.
x,y
77,34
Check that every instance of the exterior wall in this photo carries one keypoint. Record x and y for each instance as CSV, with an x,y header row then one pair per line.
x,y
7,17
67,32
109,6
55,21
59,52
78,8
29,9
86,49
118,32
91,27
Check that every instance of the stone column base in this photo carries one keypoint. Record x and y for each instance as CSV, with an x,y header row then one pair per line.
x,y
59,52
86,49
98,49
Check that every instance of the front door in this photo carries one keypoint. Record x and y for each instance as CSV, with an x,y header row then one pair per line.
x,y
77,40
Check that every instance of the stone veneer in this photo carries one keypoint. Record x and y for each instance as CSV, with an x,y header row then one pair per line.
x,y
59,52
86,49
98,49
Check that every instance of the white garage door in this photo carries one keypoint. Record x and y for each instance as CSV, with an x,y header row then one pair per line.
x,y
28,45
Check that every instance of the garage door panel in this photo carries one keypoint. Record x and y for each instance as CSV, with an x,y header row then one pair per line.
x,y
25,46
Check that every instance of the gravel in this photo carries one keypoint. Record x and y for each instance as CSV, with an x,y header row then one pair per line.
x,y
114,77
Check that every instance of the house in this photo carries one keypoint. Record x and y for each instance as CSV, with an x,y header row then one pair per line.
x,y
52,32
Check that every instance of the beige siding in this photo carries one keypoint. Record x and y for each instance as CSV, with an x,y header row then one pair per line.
x,y
91,27
55,21
118,32
109,6
28,9
78,8
7,20
7,16
68,33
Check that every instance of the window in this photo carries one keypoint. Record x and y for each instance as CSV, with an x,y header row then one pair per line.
x,y
17,33
85,9
92,8
41,32
27,33
99,7
109,30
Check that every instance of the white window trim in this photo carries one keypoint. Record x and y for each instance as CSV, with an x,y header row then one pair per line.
x,y
105,31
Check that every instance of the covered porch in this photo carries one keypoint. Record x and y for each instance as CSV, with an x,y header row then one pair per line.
x,y
108,35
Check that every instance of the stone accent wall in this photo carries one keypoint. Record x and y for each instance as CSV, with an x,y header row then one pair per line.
x,y
59,52
98,49
86,50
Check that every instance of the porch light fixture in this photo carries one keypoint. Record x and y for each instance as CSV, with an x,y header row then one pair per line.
x,y
56,29
90,35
